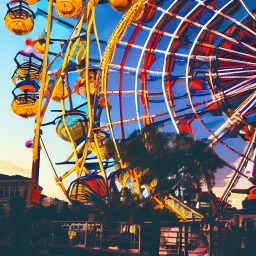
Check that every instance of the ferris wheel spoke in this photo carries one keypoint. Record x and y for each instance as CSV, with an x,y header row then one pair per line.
x,y
211,105
240,169
231,72
226,51
185,21
246,88
151,46
212,51
148,43
223,47
131,120
237,61
227,76
133,70
233,20
230,69
216,103
149,94
147,28
122,64
228,86
211,33
205,43
167,84
195,56
236,118
185,124
233,42
193,49
248,11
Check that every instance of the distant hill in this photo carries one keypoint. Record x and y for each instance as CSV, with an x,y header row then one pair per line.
x,y
12,177
9,168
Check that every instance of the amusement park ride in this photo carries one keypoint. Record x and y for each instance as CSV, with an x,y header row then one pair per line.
x,y
183,65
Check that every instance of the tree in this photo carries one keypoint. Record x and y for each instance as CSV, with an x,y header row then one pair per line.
x,y
167,162
128,206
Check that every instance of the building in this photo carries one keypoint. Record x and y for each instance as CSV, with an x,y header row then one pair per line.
x,y
17,186
12,186
48,201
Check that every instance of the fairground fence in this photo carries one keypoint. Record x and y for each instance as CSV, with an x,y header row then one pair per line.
x,y
164,238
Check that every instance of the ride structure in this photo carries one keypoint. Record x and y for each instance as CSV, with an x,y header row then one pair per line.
x,y
183,65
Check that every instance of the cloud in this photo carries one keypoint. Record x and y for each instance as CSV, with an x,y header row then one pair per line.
x,y
9,168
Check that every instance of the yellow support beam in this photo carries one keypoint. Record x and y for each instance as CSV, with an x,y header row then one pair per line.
x,y
36,150
109,53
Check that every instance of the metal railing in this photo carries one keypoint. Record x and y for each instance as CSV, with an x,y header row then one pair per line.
x,y
148,238
96,235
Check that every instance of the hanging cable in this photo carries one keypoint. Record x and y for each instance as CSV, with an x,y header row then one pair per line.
x,y
49,159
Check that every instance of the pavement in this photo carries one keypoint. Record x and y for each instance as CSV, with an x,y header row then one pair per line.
x,y
8,251
47,253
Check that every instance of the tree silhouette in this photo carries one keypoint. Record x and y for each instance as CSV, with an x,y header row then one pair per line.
x,y
167,162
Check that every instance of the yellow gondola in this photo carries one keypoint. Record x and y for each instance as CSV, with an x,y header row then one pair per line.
x,y
80,88
31,2
19,18
60,91
102,140
29,64
122,5
39,46
69,8
23,108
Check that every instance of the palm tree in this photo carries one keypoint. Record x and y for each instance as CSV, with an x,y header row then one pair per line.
x,y
166,162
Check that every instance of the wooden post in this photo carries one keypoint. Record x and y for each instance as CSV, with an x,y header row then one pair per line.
x,y
210,239
180,240
186,240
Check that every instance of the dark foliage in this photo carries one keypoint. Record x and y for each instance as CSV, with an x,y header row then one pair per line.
x,y
128,206
174,160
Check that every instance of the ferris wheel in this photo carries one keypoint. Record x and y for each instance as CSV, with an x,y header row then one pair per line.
x,y
187,66
190,64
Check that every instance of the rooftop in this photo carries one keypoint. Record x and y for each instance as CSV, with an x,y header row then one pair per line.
x,y
4,177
